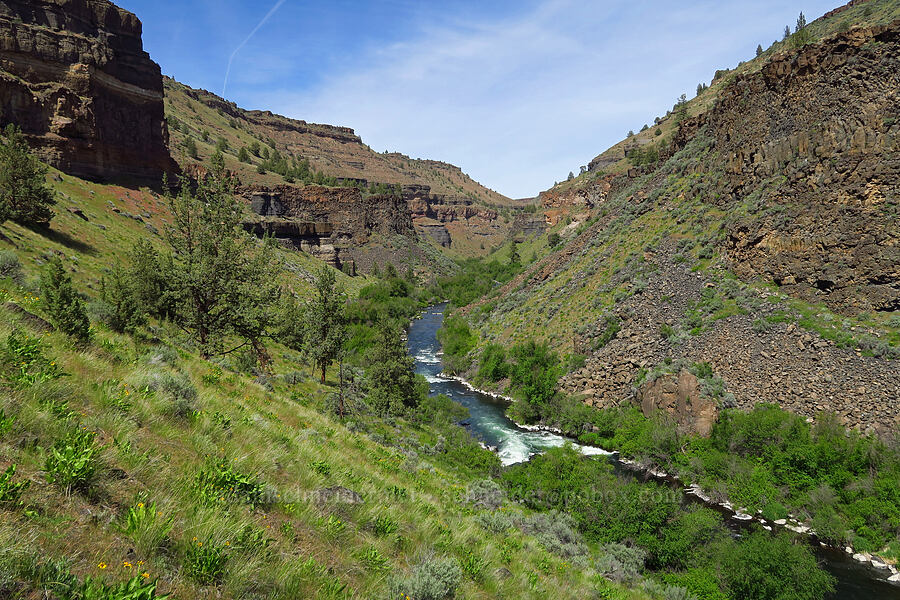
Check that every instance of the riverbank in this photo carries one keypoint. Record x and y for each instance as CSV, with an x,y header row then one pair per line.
x,y
878,568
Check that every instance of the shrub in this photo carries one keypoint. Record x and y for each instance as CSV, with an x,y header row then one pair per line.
x,y
485,494
24,195
73,462
10,267
125,313
494,521
62,302
456,340
493,365
11,493
431,579
607,331
205,562
177,388
556,531
619,562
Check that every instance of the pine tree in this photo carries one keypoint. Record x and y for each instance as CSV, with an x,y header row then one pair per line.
x,y
787,33
62,302
802,35
127,313
243,155
759,50
190,148
24,195
326,324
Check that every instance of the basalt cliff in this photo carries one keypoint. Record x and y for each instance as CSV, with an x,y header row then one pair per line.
x,y
75,78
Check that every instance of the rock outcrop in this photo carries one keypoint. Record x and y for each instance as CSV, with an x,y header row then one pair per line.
x,y
74,76
329,223
679,397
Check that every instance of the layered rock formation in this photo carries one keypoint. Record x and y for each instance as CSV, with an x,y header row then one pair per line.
x,y
75,78
329,223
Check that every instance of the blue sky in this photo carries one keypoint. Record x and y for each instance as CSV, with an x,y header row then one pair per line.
x,y
517,93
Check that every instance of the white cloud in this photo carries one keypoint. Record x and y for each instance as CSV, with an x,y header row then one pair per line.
x,y
520,103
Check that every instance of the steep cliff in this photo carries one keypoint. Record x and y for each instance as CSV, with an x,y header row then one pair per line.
x,y
74,77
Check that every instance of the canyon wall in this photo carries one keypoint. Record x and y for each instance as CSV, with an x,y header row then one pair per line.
x,y
75,78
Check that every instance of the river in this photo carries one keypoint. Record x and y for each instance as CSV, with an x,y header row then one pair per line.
x,y
488,422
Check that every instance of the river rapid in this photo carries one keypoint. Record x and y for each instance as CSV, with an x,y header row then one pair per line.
x,y
488,422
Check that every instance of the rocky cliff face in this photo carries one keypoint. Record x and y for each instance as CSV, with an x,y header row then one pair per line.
x,y
75,78
332,224
810,149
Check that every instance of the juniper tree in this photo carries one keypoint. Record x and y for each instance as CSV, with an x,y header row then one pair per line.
x,y
62,302
326,322
393,385
24,195
221,280
759,50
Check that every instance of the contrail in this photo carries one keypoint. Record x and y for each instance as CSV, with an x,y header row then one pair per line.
x,y
244,43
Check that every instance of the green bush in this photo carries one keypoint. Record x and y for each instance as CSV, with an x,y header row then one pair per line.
x,y
220,484
493,366
556,532
177,388
62,302
534,375
456,341
73,460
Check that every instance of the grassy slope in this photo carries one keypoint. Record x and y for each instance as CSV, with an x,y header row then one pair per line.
x,y
280,436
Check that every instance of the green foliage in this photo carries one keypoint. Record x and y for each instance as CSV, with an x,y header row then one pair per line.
x,y
765,566
457,340
73,461
145,524
476,279
150,282
136,588
472,565
326,323
610,329
384,526
62,302
11,267
553,240
24,363
220,483
493,366
394,387
190,148
11,493
221,280
126,313
205,562
534,375
24,195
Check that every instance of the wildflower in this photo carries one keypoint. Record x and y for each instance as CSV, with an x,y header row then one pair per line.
x,y
102,565
126,564
140,505
145,575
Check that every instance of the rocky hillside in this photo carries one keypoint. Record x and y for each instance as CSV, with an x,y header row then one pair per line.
x,y
757,234
75,78
446,205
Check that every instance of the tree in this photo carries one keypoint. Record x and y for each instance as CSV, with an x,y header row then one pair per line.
x,y
326,321
514,258
221,280
658,132
24,195
630,132
787,33
126,312
553,240
759,50
393,386
150,276
254,148
645,127
62,302
190,148
534,376
801,35
243,155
